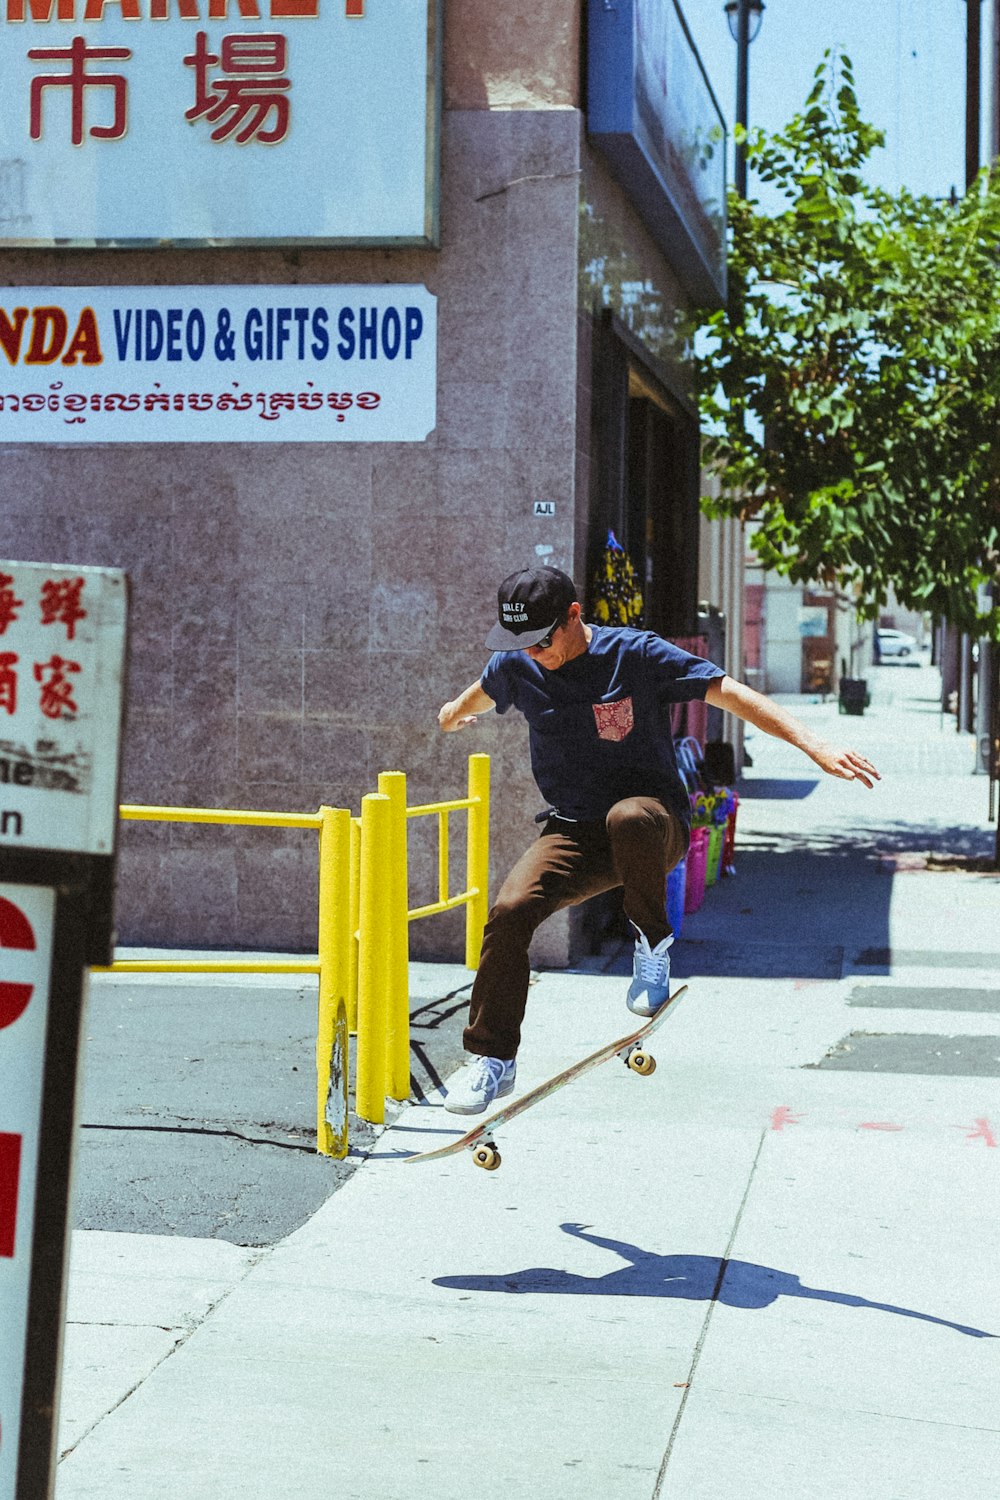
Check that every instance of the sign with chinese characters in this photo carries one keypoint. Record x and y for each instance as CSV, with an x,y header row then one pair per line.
x,y
219,121
652,112
27,916
62,650
218,364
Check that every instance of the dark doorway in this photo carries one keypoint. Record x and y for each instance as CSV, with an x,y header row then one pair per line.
x,y
661,509
646,476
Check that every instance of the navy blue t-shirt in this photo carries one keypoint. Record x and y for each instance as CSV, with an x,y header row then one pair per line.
x,y
599,726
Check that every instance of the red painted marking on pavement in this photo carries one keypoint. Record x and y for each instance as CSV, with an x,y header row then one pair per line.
x,y
783,1116
10,1169
982,1131
354,9
879,1125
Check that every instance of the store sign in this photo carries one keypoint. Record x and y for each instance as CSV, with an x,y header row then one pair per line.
x,y
62,649
652,112
27,915
814,621
246,364
219,121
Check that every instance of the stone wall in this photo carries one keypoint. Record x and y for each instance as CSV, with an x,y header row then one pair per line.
x,y
301,611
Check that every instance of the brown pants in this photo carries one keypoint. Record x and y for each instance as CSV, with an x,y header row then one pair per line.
x,y
635,846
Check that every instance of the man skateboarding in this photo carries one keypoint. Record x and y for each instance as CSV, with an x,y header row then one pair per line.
x,y
597,700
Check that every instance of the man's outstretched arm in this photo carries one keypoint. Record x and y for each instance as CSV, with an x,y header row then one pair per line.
x,y
736,698
462,711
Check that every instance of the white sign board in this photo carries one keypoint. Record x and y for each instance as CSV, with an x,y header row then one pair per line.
x,y
188,364
814,621
205,121
62,650
27,915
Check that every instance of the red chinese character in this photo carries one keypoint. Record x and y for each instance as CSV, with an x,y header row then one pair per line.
x,y
78,54
8,681
56,697
9,604
61,603
250,95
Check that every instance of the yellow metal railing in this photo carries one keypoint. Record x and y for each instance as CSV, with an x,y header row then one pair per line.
x,y
363,958
383,1000
331,964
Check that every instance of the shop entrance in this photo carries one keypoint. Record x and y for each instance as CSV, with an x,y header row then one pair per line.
x,y
645,466
661,525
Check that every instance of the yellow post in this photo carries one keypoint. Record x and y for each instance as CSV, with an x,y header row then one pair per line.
x,y
332,1041
355,898
373,956
392,784
477,864
444,876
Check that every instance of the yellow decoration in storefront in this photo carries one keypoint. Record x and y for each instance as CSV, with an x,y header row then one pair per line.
x,y
617,598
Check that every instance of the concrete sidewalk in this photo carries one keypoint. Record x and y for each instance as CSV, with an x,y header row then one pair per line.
x,y
768,1270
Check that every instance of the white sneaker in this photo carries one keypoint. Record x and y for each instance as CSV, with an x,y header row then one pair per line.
x,y
484,1079
650,986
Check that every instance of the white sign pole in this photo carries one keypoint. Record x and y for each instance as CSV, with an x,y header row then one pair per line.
x,y
27,916
62,663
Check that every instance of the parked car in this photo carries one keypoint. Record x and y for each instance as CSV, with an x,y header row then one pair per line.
x,y
896,643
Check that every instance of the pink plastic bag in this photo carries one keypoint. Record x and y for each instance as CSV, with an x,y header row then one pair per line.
x,y
697,857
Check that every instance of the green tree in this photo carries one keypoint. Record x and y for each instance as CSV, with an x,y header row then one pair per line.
x,y
851,387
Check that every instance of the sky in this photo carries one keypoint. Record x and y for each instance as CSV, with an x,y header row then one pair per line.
x,y
909,70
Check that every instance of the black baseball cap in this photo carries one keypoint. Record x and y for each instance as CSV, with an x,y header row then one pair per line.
x,y
529,603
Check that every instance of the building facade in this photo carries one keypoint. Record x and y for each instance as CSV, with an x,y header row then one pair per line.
x,y
302,605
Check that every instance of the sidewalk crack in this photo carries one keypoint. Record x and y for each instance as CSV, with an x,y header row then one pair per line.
x,y
191,1129
658,1490
183,1335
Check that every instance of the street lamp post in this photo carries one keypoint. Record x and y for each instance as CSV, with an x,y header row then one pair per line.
x,y
744,17
975,699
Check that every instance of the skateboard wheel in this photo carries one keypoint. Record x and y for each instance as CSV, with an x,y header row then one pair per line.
x,y
641,1062
487,1157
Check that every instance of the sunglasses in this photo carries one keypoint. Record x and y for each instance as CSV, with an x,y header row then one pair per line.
x,y
546,640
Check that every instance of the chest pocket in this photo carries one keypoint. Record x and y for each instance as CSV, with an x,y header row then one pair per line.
x,y
614,720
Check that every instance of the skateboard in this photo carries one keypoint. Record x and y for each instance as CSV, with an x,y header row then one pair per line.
x,y
479,1140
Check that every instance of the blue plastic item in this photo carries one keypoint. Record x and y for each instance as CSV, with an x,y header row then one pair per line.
x,y
676,886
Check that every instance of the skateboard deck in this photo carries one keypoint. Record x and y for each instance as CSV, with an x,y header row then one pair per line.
x,y
479,1140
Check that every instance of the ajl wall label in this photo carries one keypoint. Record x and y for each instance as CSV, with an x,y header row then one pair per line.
x,y
216,364
205,121
62,649
27,914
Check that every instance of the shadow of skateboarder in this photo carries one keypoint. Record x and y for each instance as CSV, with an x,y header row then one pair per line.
x,y
695,1278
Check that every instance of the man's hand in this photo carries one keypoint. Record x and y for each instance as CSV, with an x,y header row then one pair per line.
x,y
464,710
448,723
746,703
847,764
